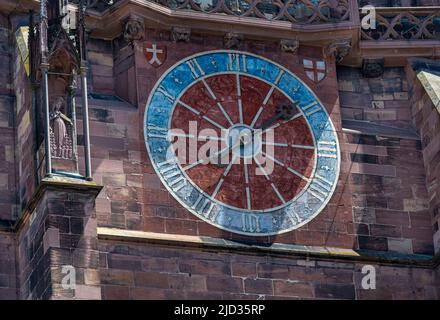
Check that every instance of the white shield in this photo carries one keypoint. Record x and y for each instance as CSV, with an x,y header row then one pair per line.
x,y
315,69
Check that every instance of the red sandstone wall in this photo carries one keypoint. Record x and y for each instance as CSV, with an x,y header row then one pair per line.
x,y
427,120
100,55
60,232
24,140
390,203
7,267
390,199
383,100
149,271
8,188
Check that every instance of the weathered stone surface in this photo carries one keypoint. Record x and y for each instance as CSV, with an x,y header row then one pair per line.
x,y
62,239
279,277
400,245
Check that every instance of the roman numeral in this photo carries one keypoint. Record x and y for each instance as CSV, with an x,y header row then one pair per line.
x,y
234,62
320,188
250,222
243,59
231,58
196,69
154,131
311,108
294,218
205,207
327,149
171,173
167,95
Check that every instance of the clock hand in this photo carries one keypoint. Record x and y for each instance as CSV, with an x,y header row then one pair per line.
x,y
243,140
283,111
266,124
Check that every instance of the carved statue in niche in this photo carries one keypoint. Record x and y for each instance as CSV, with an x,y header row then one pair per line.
x,y
61,128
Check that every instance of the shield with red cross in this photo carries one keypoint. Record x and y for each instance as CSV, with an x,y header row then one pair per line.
x,y
315,69
155,54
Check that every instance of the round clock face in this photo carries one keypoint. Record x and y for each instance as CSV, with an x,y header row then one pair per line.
x,y
242,143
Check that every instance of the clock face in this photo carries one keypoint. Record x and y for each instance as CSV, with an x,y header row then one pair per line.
x,y
242,143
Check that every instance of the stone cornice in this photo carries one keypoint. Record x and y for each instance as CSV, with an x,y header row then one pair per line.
x,y
105,24
276,249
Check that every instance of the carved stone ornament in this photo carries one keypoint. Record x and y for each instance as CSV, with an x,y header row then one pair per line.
x,y
134,29
232,40
372,68
181,34
289,45
61,129
338,49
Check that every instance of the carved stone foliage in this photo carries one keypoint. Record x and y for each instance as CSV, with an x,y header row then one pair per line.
x,y
181,34
289,45
232,40
133,29
404,24
300,11
338,49
61,132
372,68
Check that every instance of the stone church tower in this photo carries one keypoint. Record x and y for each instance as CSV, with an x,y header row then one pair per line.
x,y
219,149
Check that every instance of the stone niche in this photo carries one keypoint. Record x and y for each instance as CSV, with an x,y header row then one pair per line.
x,y
62,127
62,85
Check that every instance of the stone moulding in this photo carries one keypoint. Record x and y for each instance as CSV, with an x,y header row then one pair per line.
x,y
210,243
392,50
252,22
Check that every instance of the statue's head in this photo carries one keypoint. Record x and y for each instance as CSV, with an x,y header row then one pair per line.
x,y
58,104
